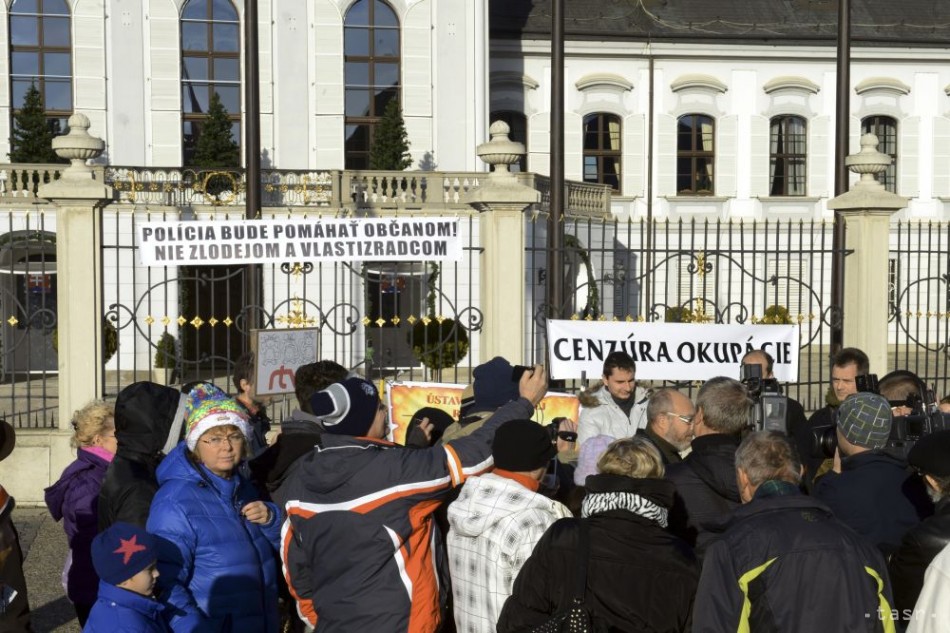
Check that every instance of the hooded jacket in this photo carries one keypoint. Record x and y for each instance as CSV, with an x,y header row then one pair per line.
x,y
218,570
706,489
75,500
785,563
494,525
121,610
602,416
639,576
148,420
918,549
360,550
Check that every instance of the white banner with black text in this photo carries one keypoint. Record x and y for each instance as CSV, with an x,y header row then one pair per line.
x,y
669,351
204,242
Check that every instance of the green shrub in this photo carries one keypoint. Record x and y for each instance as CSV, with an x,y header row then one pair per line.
x,y
166,351
438,345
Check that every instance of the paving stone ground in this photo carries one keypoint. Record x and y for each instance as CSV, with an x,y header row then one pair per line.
x,y
44,546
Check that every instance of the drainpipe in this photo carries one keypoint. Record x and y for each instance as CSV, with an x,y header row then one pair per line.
x,y
651,125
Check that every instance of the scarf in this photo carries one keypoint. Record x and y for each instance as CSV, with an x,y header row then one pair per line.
x,y
600,502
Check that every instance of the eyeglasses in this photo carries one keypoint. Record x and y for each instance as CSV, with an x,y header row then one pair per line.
x,y
688,419
567,436
218,440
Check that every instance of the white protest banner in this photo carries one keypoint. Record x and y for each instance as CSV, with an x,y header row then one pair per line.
x,y
669,351
216,242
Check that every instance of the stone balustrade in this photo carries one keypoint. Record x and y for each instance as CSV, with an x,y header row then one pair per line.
x,y
330,189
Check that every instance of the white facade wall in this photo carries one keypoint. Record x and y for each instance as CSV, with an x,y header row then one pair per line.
x,y
742,110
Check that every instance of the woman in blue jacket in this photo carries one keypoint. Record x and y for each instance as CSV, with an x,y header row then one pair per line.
x,y
217,539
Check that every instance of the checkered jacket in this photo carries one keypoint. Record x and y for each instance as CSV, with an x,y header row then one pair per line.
x,y
494,525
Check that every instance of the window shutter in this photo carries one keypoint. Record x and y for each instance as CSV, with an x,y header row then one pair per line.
x,y
788,290
908,161
574,146
818,168
760,157
726,148
941,157
539,143
634,149
665,165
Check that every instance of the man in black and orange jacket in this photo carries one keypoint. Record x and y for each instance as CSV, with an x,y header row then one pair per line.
x,y
359,547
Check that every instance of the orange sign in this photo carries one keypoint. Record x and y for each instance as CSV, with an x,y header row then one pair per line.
x,y
405,398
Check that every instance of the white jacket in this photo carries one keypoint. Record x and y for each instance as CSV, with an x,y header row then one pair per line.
x,y
932,613
494,525
602,416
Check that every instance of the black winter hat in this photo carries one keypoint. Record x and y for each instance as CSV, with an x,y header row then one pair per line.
x,y
931,454
348,407
521,446
493,385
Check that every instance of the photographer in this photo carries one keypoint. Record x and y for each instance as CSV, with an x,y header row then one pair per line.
x,y
794,412
846,367
870,490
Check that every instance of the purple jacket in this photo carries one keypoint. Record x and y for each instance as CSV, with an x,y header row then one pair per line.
x,y
75,500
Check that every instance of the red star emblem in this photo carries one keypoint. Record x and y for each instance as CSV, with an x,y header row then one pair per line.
x,y
128,548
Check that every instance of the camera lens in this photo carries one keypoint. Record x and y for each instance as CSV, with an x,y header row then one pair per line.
x,y
829,442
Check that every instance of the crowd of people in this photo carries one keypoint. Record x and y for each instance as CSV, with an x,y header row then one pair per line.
x,y
191,511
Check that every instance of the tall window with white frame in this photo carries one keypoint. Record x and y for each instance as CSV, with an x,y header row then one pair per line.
x,y
210,63
885,129
371,74
787,156
41,56
602,152
695,155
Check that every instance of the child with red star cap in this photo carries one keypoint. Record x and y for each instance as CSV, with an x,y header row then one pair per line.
x,y
124,558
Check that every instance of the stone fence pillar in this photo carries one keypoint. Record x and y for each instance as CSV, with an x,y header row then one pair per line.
x,y
867,210
502,201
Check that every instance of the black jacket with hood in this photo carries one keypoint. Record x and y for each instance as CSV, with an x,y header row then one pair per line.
x,y
148,423
706,490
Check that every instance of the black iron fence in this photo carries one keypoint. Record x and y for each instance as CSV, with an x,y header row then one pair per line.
x,y
695,271
407,320
919,302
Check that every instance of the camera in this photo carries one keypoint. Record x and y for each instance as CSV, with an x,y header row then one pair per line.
x,y
902,389
554,431
824,439
518,371
770,406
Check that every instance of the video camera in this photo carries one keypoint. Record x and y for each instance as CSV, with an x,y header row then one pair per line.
x,y
924,417
771,407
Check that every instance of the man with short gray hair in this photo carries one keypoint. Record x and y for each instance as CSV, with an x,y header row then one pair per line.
x,y
784,561
706,491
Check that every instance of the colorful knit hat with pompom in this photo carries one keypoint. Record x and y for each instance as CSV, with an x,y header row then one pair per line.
x,y
208,407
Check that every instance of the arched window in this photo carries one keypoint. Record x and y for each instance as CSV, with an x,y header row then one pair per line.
x,y
602,149
371,74
518,124
885,129
41,55
210,62
787,156
695,155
